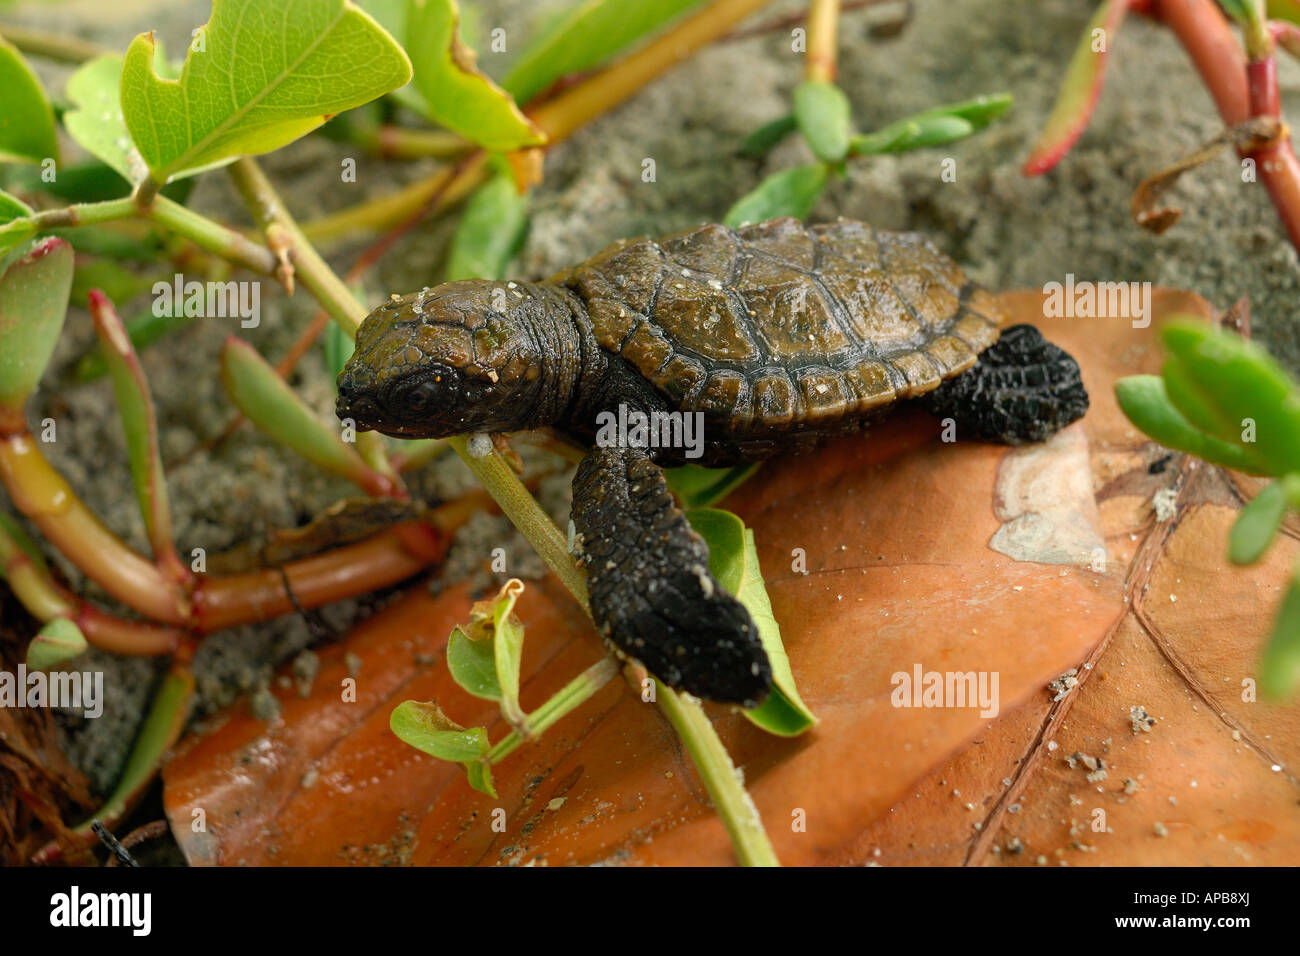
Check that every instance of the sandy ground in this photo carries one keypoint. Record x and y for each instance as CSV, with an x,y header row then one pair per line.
x,y
1008,231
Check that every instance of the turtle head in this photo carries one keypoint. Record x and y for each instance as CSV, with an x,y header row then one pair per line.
x,y
456,359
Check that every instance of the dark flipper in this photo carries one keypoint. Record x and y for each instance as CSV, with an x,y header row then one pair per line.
x,y
1022,389
651,591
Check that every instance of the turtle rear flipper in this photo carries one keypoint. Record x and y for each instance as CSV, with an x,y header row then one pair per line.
x,y
1022,389
652,595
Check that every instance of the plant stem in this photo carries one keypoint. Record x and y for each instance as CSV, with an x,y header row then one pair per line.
x,y
523,511
565,700
161,729
720,778
733,804
823,28
41,493
213,236
607,88
443,189
202,231
270,213
53,46
1205,34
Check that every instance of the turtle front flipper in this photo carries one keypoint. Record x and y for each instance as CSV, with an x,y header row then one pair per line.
x,y
1022,389
652,595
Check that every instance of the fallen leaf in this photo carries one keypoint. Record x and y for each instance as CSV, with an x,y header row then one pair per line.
x,y
895,529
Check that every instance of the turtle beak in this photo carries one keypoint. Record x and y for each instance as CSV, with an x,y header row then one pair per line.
x,y
353,403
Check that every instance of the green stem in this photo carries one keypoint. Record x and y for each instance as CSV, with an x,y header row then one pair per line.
x,y
734,806
212,236
269,211
716,770
566,699
53,46
522,509
199,229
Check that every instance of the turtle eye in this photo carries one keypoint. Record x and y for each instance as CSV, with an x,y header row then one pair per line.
x,y
422,395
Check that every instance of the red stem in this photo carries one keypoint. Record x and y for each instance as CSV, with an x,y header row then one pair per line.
x,y
1240,91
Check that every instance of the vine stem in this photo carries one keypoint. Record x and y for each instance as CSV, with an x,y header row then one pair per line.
x,y
566,699
717,772
199,229
721,779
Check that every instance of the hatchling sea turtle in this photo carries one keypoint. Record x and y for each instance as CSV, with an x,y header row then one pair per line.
x,y
773,336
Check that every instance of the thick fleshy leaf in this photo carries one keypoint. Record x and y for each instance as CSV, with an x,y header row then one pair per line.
x,y
1081,89
733,560
934,127
272,406
456,94
590,32
1246,389
1147,405
1257,525
58,642
764,139
33,301
266,77
1279,673
791,192
136,412
490,231
96,121
27,120
162,727
822,113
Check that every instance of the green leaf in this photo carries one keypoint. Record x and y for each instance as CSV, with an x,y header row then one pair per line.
x,y
933,127
274,408
764,139
263,81
1143,399
1257,524
1239,381
490,231
1279,672
161,729
733,560
1080,90
27,120
57,642
455,93
135,409
791,192
822,113
699,487
143,329
426,728
96,121
33,302
591,32
473,664
508,650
